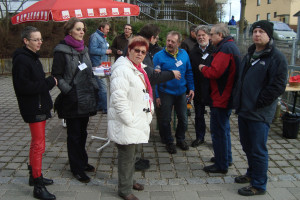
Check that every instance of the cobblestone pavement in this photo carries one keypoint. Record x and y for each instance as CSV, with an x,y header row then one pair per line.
x,y
178,176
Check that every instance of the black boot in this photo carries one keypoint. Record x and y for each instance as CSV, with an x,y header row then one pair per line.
x,y
40,191
45,180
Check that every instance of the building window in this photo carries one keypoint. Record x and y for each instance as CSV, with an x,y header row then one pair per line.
x,y
275,14
258,2
269,1
257,17
268,16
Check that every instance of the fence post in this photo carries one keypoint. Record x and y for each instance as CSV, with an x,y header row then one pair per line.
x,y
155,15
293,53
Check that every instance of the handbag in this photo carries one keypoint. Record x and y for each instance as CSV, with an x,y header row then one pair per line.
x,y
58,103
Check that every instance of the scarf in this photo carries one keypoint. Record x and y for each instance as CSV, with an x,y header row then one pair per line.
x,y
78,45
147,82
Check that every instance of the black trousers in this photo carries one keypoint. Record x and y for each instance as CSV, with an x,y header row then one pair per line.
x,y
77,135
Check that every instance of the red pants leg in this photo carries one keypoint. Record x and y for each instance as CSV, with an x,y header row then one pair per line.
x,y
37,147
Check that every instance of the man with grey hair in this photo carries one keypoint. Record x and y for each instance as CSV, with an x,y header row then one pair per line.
x,y
201,54
173,92
222,73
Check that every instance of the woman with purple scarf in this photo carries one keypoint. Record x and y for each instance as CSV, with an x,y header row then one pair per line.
x,y
73,70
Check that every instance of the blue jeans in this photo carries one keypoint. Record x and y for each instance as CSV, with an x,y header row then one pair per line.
x,y
220,133
102,102
167,103
253,137
199,121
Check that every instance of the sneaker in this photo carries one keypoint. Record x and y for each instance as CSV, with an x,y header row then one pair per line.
x,y
197,143
214,169
171,148
251,191
242,179
82,177
213,159
182,145
64,123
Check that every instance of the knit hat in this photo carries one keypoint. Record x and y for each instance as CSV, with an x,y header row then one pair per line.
x,y
265,25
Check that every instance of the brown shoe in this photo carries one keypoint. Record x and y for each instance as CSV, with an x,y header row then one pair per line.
x,y
130,197
138,187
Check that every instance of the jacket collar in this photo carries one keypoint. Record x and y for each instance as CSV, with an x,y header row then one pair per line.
x,y
100,33
226,39
266,51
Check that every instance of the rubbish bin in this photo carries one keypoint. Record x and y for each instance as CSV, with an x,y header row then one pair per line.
x,y
290,124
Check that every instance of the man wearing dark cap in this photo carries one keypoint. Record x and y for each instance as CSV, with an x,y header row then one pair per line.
x,y
262,79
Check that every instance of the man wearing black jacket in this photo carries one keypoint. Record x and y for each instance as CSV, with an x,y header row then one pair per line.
x,y
201,54
262,79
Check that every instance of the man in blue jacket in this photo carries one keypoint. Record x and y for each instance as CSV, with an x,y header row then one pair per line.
x,y
99,51
173,92
262,79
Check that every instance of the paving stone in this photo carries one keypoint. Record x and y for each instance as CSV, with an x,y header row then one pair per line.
x,y
275,171
280,193
214,180
282,163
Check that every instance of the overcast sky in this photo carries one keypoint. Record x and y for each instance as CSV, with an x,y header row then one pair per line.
x,y
235,10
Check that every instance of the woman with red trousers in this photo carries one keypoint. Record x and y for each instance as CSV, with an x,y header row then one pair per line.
x,y
32,91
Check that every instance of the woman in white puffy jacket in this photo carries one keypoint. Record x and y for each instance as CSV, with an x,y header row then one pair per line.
x,y
130,112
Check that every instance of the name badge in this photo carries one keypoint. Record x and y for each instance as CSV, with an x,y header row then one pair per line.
x,y
82,66
178,63
205,56
146,97
255,61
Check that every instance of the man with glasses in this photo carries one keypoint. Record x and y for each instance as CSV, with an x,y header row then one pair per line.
x,y
222,73
173,92
121,41
201,54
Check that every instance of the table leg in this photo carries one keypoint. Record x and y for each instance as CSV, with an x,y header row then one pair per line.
x,y
295,100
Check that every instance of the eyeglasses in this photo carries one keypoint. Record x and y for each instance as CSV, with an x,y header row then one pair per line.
x,y
140,51
36,40
211,34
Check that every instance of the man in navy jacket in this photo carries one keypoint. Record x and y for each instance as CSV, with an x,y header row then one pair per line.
x,y
262,79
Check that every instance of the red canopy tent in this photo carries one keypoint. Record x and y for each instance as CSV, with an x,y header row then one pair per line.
x,y
63,10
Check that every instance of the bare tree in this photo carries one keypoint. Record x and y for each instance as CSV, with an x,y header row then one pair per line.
x,y
6,5
6,12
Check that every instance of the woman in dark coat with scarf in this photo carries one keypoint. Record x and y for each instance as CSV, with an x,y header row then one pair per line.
x,y
32,91
73,69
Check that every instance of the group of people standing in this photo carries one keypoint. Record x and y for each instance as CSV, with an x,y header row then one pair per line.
x,y
147,78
